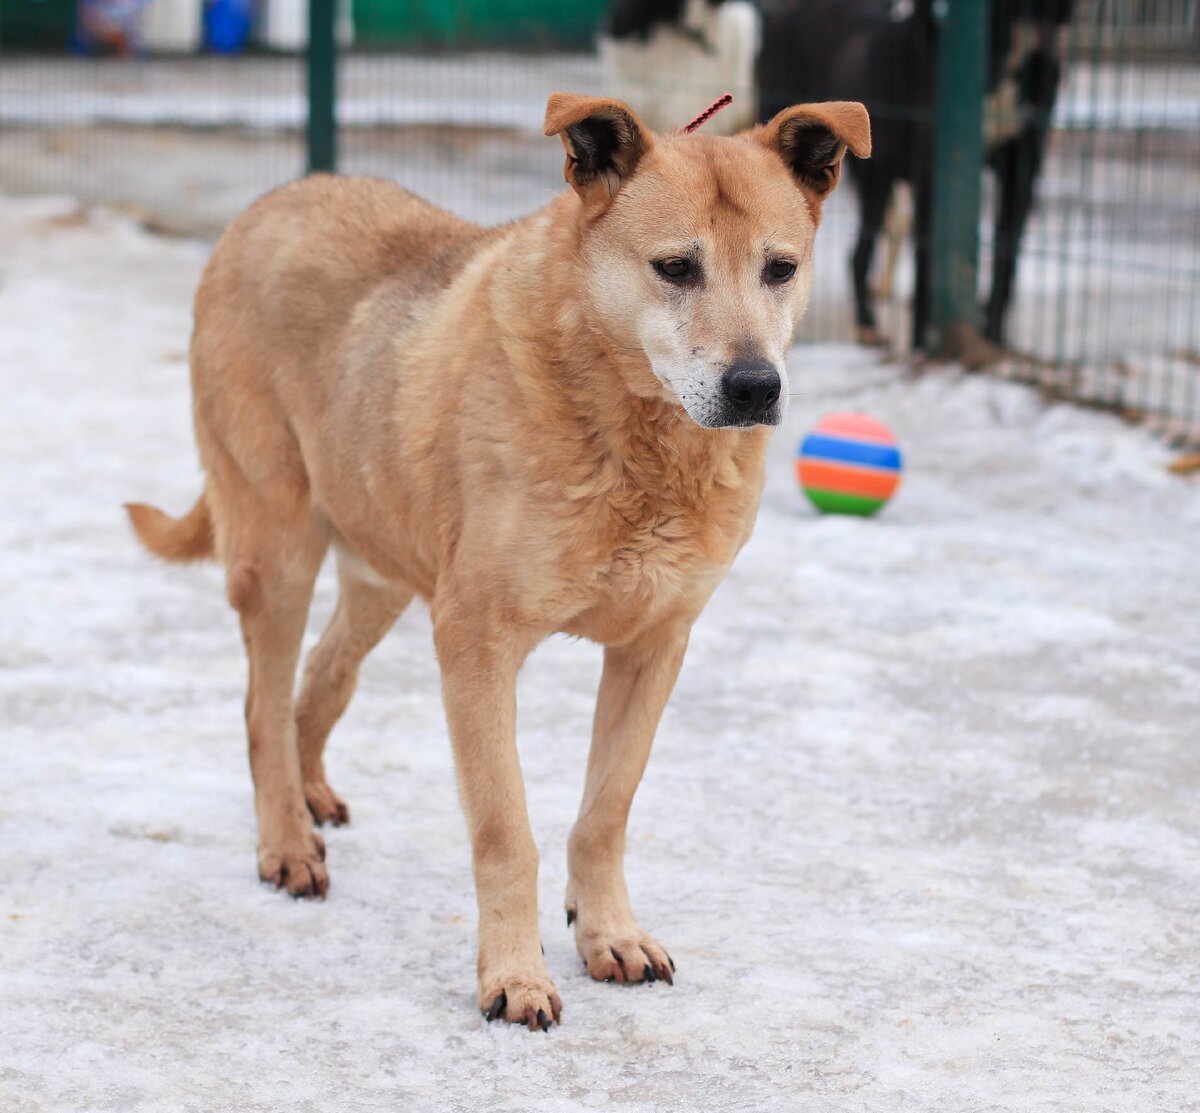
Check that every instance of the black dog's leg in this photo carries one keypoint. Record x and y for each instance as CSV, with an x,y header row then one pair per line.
x,y
923,254
1017,164
874,192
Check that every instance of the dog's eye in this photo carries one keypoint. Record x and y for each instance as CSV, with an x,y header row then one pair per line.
x,y
676,269
779,271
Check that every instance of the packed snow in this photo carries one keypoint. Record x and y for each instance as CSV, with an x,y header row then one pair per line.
x,y
921,829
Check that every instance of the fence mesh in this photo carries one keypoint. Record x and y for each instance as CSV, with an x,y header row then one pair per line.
x,y
447,100
1108,304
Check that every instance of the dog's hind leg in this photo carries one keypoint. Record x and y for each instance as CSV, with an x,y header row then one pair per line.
x,y
273,549
634,688
365,612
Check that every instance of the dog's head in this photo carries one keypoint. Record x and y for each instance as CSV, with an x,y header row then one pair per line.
x,y
699,250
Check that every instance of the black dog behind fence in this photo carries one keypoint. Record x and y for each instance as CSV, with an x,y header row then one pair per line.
x,y
887,56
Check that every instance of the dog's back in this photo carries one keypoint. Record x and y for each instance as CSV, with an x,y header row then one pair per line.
x,y
315,266
298,261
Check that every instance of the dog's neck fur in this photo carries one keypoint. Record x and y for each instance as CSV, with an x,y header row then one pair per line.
x,y
616,428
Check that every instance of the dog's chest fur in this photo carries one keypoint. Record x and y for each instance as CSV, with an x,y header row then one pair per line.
x,y
653,539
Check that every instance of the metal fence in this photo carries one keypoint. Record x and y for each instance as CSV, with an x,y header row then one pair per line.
x,y
448,99
1108,306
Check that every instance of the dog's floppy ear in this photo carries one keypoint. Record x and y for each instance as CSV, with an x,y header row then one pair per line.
x,y
604,140
812,138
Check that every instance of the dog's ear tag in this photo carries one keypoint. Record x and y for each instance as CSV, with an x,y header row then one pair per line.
x,y
813,138
604,141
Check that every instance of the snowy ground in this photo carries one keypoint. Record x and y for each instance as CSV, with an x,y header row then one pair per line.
x,y
921,829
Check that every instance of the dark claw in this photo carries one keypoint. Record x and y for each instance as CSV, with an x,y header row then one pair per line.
x,y
672,962
543,946
570,916
497,1007
620,960
649,974
666,976
543,1021
611,978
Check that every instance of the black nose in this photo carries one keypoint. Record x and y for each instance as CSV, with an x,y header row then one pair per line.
x,y
752,387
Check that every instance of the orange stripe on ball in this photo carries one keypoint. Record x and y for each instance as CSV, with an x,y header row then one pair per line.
x,y
847,479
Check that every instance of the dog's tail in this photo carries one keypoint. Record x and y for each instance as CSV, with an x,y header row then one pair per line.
x,y
186,538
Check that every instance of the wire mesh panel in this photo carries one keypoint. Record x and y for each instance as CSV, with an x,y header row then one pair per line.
x,y
1108,292
183,142
445,98
462,129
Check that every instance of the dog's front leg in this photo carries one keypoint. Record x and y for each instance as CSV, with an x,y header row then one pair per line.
x,y
479,664
634,688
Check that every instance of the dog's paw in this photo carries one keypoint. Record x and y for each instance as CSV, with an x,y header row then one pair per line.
x,y
300,869
521,998
325,805
622,954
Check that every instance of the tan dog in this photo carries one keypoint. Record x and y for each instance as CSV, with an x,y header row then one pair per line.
x,y
555,425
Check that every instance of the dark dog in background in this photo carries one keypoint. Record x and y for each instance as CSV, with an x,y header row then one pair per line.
x,y
884,53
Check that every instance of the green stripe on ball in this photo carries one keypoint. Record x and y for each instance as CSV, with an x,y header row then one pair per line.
x,y
834,502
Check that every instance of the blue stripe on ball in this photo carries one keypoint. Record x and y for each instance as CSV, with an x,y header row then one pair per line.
x,y
854,452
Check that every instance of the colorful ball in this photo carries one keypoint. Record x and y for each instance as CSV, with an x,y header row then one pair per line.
x,y
849,464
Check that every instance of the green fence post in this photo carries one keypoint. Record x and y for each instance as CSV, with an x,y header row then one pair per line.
x,y
322,86
957,173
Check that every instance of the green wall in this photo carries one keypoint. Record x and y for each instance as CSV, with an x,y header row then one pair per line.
x,y
44,24
477,22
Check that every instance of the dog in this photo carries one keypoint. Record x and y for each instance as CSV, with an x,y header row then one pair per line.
x,y
663,56
882,52
554,425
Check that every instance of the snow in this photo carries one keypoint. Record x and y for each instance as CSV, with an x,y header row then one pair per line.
x,y
266,112
920,829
